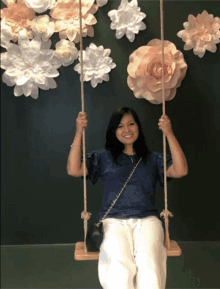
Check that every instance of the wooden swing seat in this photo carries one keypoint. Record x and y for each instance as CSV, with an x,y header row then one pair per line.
x,y
81,255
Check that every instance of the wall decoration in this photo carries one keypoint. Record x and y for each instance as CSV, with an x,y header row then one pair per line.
x,y
43,27
201,33
66,17
66,52
145,71
18,16
29,66
40,5
127,20
96,64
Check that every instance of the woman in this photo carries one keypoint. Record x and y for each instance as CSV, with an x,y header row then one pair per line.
x,y
132,254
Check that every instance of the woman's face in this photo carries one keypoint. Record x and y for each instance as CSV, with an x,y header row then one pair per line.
x,y
127,131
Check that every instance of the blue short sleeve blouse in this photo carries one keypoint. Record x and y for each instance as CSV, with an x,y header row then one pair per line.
x,y
138,197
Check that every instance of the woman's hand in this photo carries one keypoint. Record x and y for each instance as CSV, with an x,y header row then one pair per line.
x,y
165,125
81,122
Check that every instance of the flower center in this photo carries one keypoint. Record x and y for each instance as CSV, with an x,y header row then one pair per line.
x,y
65,53
155,69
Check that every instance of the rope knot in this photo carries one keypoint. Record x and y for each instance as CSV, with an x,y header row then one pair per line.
x,y
166,214
85,215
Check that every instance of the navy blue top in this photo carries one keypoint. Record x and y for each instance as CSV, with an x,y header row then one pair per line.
x,y
138,197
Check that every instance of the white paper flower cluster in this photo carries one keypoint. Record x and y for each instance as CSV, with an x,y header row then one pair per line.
x,y
201,33
96,64
127,20
29,65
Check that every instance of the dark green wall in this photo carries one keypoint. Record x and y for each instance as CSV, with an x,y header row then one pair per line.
x,y
41,204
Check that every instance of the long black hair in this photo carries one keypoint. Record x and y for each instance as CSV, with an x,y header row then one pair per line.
x,y
114,145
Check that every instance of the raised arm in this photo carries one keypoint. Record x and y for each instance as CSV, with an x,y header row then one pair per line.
x,y
74,164
179,168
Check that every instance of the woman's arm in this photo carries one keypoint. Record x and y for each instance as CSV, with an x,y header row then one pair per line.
x,y
179,168
74,164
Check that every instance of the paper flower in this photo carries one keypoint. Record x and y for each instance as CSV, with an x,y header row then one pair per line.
x,y
66,52
145,71
66,15
127,20
6,34
18,16
201,33
40,5
28,67
96,64
42,27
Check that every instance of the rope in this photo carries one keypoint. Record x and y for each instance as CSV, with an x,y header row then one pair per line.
x,y
165,213
84,215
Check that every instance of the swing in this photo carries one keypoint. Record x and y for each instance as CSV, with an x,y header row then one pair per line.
x,y
172,247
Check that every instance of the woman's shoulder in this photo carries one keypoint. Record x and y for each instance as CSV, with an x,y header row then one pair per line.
x,y
152,156
100,153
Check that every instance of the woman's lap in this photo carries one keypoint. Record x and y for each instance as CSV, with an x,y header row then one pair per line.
x,y
132,249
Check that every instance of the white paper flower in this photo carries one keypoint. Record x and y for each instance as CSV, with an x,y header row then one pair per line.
x,y
66,52
6,34
40,5
96,64
28,67
201,33
127,19
43,27
101,3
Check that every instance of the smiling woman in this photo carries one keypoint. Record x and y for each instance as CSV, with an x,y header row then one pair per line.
x,y
133,233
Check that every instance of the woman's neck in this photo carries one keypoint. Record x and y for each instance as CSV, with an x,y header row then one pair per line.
x,y
129,151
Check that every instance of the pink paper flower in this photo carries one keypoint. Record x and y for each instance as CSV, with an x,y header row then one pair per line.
x,y
201,33
66,17
18,17
145,71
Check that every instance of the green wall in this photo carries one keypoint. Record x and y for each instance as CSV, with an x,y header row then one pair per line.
x,y
41,204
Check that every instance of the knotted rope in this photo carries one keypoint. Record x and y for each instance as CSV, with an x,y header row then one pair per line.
x,y
84,215
165,213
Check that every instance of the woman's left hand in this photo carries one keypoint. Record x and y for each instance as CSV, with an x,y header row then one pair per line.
x,y
165,125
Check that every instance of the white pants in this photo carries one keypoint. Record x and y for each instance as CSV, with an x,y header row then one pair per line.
x,y
132,254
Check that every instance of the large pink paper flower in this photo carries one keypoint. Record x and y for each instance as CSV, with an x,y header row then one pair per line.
x,y
145,71
201,33
18,16
66,17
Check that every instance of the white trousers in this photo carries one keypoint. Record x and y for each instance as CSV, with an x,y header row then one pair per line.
x,y
132,254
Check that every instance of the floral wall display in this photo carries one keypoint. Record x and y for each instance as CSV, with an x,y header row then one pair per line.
x,y
31,64
201,33
24,17
145,71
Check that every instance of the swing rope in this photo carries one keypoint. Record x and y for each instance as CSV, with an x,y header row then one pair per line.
x,y
165,213
84,215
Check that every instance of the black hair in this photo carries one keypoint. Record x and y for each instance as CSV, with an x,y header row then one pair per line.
x,y
114,145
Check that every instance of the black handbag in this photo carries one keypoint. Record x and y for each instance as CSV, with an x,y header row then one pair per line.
x,y
94,235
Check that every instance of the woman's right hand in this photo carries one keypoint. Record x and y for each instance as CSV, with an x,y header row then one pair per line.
x,y
81,122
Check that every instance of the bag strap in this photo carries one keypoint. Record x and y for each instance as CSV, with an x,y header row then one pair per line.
x,y
119,194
